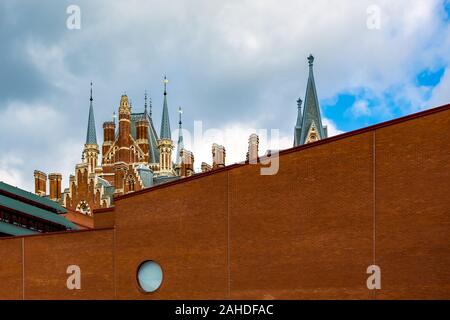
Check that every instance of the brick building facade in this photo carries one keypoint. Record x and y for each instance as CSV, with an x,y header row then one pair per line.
x,y
376,196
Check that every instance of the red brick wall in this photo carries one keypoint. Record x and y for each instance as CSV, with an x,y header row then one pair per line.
x,y
334,208
11,273
38,264
413,207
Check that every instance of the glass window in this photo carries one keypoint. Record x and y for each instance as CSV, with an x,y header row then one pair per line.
x,y
149,276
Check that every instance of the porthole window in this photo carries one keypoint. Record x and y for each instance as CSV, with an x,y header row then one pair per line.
x,y
149,276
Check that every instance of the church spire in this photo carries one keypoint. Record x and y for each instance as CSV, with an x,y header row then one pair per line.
x,y
91,136
311,127
180,144
165,123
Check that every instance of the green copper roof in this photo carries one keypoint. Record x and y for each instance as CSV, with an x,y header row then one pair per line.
x,y
311,112
28,209
153,140
152,135
42,201
165,123
91,136
146,175
13,230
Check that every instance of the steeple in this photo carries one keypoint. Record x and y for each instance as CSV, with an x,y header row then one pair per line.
x,y
298,125
165,123
91,151
165,143
311,126
91,136
180,144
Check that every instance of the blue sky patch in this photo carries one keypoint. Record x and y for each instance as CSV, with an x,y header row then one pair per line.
x,y
430,78
447,10
361,108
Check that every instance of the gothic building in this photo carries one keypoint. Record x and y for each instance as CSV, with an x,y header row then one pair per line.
x,y
133,156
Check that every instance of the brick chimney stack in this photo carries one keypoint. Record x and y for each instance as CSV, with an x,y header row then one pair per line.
x,y
187,163
206,167
40,183
253,146
142,136
218,154
109,129
55,186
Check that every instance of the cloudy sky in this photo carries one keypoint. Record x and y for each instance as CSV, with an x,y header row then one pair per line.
x,y
237,66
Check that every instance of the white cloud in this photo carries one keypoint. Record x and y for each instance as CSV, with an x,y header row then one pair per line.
x,y
332,129
10,171
50,61
360,108
34,141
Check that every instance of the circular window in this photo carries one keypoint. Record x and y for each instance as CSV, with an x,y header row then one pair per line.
x,y
149,276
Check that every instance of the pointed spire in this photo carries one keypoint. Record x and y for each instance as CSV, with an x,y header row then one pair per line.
x,y
150,113
180,144
311,112
165,123
311,61
145,103
298,125
91,99
91,136
165,81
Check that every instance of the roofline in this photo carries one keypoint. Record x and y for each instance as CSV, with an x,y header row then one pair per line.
x,y
34,213
33,202
103,210
54,233
15,230
31,216
294,149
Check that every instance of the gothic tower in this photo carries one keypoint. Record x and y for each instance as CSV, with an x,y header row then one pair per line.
x,y
91,150
311,128
165,143
123,144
